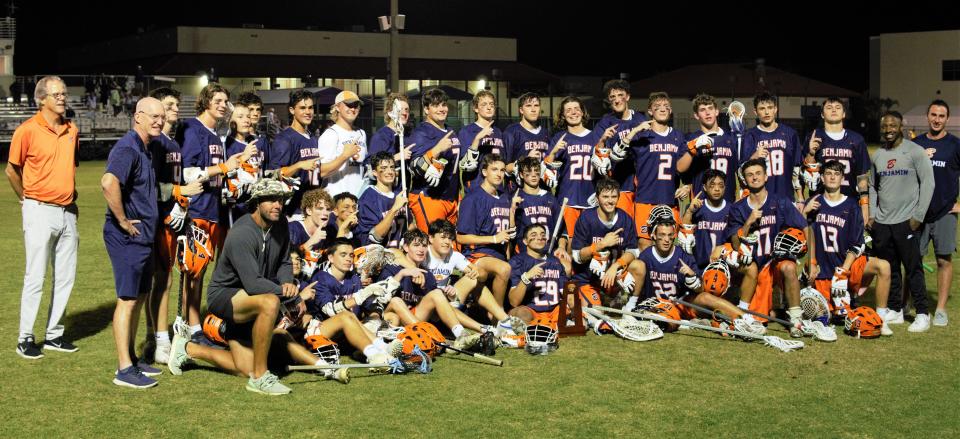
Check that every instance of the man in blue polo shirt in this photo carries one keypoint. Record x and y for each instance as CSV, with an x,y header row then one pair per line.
x,y
130,187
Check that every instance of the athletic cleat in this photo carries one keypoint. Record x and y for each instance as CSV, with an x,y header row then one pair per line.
x,y
132,377
60,345
162,354
940,318
466,341
513,341
885,330
749,326
920,324
819,331
381,358
147,369
893,317
267,384
29,350
178,354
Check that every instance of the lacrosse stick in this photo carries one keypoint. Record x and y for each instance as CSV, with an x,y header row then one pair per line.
x,y
417,361
480,357
768,340
811,328
556,228
395,116
716,315
629,327
180,325
814,305
735,112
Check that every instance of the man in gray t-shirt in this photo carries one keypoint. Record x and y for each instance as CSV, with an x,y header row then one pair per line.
x,y
901,186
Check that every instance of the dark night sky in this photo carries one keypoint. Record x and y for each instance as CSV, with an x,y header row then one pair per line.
x,y
596,38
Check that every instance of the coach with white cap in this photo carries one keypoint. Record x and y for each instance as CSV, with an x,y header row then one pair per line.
x,y
349,176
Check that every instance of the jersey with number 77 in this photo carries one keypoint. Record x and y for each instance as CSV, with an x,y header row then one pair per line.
x,y
777,213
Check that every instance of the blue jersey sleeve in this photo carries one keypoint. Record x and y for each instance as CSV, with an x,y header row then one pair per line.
x,y
121,162
282,153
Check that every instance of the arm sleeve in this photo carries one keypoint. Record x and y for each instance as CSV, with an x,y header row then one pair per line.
x,y
192,151
285,271
925,178
120,162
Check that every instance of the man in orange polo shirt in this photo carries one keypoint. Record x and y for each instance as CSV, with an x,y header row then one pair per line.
x,y
41,170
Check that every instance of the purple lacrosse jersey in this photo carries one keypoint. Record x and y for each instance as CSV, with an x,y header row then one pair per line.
x,y
373,208
541,208
663,274
166,166
576,173
518,142
290,147
710,222
724,159
491,144
483,214
329,289
785,153
655,159
202,148
851,150
624,171
385,139
299,236
778,213
544,291
426,136
946,173
837,229
409,292
589,229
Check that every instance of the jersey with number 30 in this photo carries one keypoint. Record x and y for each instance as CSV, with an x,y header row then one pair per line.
x,y
483,214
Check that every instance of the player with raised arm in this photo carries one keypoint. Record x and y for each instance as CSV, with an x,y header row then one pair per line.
x,y
526,138
839,264
382,206
435,187
776,143
712,148
616,93
479,139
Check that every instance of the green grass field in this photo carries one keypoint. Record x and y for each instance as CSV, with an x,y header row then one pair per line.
x,y
692,384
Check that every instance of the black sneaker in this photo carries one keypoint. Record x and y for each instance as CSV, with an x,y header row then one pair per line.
x,y
59,344
29,350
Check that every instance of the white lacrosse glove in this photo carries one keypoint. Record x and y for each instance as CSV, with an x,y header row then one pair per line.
x,y
308,265
796,178
692,282
701,146
839,288
625,281
176,219
811,176
619,152
600,262
435,171
470,161
592,200
246,174
549,174
601,160
292,183
685,237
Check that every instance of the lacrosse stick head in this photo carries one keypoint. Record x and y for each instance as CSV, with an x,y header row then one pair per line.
x,y
790,243
814,305
416,361
781,344
735,112
636,330
541,336
323,348
863,322
716,278
369,260
215,329
663,308
194,251
394,114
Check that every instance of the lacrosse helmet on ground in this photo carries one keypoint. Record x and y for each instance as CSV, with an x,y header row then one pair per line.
x,y
716,278
541,336
863,322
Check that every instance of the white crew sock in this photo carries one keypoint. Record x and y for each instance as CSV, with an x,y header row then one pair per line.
x,y
195,329
457,330
743,305
380,344
163,337
371,350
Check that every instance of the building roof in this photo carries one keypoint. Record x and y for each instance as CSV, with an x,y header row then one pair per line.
x,y
731,80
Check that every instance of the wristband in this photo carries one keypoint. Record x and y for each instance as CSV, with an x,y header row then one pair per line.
x,y
223,168
525,279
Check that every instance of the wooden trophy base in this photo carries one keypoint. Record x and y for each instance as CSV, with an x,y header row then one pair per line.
x,y
577,329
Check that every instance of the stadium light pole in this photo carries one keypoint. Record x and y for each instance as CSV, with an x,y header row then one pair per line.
x,y
394,23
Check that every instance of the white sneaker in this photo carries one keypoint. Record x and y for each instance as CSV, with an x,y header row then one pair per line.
x,y
920,324
893,317
885,330
267,384
940,318
162,354
380,358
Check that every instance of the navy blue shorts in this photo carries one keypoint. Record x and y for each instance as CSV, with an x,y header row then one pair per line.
x,y
132,265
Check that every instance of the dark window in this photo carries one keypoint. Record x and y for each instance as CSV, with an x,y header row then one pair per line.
x,y
951,70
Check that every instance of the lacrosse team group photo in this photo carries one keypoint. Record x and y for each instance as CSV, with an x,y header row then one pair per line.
x,y
411,227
